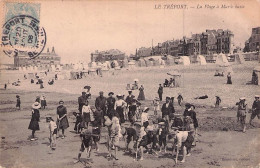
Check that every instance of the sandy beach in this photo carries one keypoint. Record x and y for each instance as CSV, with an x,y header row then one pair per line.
x,y
215,147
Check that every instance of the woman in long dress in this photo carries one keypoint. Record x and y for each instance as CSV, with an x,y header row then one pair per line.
x,y
62,119
229,81
34,123
141,93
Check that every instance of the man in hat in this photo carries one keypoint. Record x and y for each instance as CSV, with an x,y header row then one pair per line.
x,y
167,109
241,112
110,105
119,108
101,103
160,91
82,100
129,100
255,109
218,101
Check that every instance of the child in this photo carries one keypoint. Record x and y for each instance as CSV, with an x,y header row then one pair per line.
x,y
18,102
162,135
144,117
53,132
114,136
128,135
141,140
156,106
86,110
43,101
86,142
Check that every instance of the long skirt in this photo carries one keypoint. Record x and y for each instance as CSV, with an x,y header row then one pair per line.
x,y
141,96
120,112
63,124
34,125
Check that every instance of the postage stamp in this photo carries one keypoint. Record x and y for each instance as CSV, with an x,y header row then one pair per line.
x,y
21,31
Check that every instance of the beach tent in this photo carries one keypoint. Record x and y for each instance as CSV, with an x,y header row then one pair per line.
x,y
148,62
31,75
92,71
141,63
169,60
255,78
221,60
239,58
184,60
73,75
131,65
108,64
201,60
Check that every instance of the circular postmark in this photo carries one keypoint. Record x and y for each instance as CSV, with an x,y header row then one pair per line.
x,y
23,34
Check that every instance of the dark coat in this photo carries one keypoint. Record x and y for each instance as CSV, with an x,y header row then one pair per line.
x,y
63,123
34,123
81,101
167,110
192,114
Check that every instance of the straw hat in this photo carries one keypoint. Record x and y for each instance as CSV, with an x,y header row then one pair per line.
x,y
61,102
118,95
36,105
138,123
110,93
257,96
161,123
17,96
146,109
242,98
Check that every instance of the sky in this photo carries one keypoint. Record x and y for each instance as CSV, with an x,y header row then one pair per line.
x,y
78,28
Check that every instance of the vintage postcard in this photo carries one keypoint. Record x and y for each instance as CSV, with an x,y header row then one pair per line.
x,y
128,83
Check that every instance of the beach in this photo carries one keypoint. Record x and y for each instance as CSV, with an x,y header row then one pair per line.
x,y
215,147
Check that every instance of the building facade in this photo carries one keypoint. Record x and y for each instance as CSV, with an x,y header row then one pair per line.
x,y
225,42
110,55
253,43
44,59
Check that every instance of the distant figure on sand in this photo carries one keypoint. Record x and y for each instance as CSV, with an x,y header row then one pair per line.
x,y
241,112
229,81
218,101
18,102
56,77
32,81
180,99
202,97
43,101
5,86
141,93
160,91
